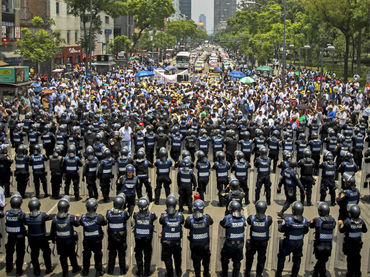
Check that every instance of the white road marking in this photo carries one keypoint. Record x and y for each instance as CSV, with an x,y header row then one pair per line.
x,y
53,208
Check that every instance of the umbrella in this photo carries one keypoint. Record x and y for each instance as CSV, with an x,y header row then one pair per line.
x,y
171,68
144,73
247,80
218,69
236,74
47,91
264,68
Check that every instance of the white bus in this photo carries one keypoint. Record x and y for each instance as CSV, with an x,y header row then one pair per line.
x,y
182,60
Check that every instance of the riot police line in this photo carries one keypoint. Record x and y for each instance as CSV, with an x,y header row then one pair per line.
x,y
294,228
98,164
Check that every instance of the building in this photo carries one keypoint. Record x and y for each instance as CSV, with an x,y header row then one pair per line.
x,y
69,27
203,19
177,14
103,39
185,8
124,26
223,9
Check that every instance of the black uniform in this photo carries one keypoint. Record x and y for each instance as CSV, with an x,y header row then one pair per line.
x,y
273,146
39,173
259,237
89,174
294,230
222,172
263,166
143,232
142,172
231,144
105,175
63,234
186,182
56,170
199,238
37,240
347,197
203,168
117,233
163,177
93,237
328,180
129,189
14,226
307,169
171,241
5,173
234,243
191,145
353,228
240,169
324,228
70,167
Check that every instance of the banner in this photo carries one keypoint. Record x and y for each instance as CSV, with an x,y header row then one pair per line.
x,y
163,78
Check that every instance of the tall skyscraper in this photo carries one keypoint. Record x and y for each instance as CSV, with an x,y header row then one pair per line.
x,y
203,19
185,8
223,9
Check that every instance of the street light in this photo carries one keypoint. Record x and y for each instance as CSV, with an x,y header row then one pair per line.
x,y
284,39
307,46
328,48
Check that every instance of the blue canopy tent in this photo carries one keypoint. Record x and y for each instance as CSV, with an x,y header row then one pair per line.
x,y
144,73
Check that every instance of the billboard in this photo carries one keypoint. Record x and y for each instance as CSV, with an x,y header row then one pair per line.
x,y
14,74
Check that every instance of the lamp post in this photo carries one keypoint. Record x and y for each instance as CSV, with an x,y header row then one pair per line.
x,y
328,48
307,46
284,34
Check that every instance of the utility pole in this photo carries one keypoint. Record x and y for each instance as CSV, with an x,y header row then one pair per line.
x,y
88,58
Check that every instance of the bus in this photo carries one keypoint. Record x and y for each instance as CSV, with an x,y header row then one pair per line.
x,y
182,60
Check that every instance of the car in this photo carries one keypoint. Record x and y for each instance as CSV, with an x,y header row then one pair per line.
x,y
199,66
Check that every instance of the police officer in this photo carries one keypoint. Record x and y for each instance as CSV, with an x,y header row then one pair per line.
x,y
316,145
307,169
203,142
117,221
171,222
235,193
129,184
324,227
294,228
259,236
56,171
301,145
90,172
98,146
38,169
18,136
176,140
163,167
63,234
353,228
217,143
329,168
350,195
240,169
48,140
139,139
358,146
142,172
191,143
203,166
14,226
161,140
37,239
291,182
246,146
273,146
150,138
122,161
186,182
21,173
105,173
143,232
235,224
348,166
263,165
199,237
70,165
222,167
5,170
231,144
93,236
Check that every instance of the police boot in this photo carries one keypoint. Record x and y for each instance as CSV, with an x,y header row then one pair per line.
x,y
278,274
139,271
309,200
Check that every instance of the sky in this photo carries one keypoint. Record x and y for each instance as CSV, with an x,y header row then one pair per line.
x,y
206,7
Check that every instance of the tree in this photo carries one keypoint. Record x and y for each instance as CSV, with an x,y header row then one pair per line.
x,y
148,15
120,43
185,30
40,45
81,8
342,15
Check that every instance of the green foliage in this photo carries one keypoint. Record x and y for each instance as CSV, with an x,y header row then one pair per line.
x,y
120,43
40,45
